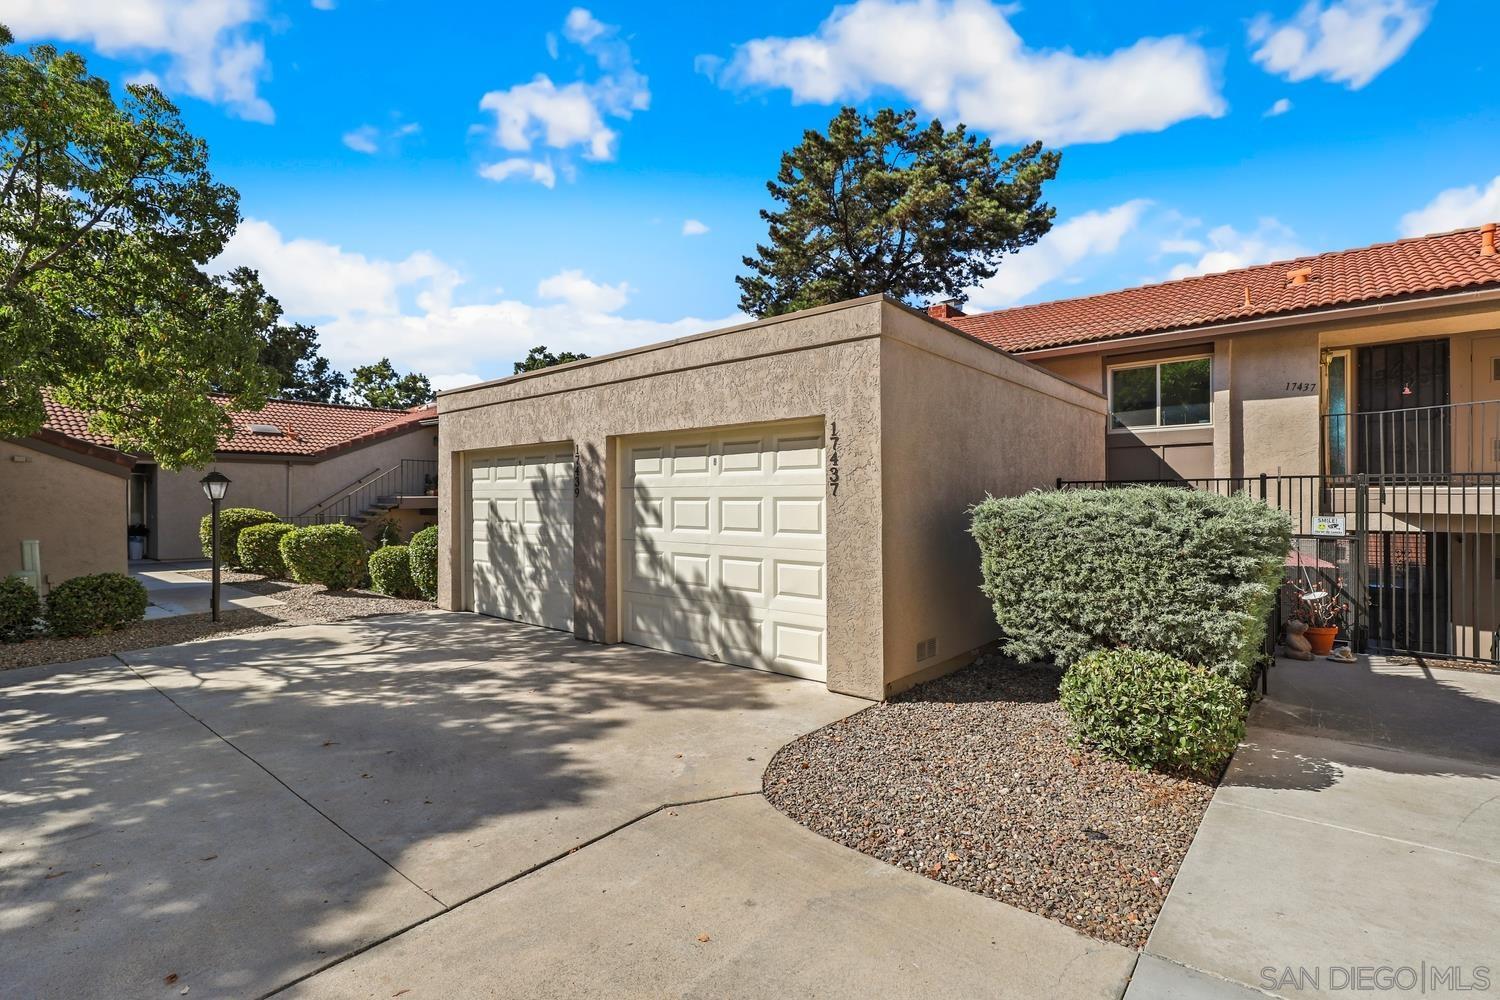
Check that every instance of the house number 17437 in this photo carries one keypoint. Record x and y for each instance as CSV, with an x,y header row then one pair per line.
x,y
1301,386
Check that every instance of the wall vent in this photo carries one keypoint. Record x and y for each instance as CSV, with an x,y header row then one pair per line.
x,y
926,649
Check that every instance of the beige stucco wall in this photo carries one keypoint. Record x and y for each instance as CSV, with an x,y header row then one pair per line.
x,y
820,363
76,510
927,422
960,421
1267,384
284,488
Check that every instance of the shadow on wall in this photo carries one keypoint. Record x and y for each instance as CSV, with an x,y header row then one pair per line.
x,y
453,727
524,566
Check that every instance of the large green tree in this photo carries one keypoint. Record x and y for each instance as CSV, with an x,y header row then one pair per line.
x,y
108,213
877,204
539,357
381,385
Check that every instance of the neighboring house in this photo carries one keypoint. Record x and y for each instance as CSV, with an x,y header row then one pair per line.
x,y
1381,362
71,497
790,494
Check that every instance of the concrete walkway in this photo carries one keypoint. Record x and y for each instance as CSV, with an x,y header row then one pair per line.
x,y
459,807
1357,830
173,592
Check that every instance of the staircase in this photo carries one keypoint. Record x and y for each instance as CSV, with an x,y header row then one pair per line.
x,y
374,495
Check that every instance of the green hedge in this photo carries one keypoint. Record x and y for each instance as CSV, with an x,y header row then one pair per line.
x,y
1154,710
1175,571
390,572
331,554
259,548
88,604
423,550
20,607
232,521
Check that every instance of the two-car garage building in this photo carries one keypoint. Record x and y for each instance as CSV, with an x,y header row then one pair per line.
x,y
789,495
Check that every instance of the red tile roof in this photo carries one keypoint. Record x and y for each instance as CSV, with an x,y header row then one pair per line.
x,y
305,429
1424,265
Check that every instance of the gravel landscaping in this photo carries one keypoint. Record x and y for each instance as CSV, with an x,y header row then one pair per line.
x,y
970,780
300,605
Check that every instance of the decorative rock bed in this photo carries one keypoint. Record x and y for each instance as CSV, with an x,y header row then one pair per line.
x,y
971,780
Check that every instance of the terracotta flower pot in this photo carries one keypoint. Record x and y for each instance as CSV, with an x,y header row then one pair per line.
x,y
1321,639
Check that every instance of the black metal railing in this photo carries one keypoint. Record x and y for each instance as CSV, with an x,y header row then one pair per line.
x,y
1419,443
373,493
1418,552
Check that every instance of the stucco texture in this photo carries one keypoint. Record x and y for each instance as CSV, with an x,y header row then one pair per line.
x,y
285,488
1267,384
866,366
74,507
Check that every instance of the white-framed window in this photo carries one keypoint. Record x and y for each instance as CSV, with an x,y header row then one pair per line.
x,y
1173,392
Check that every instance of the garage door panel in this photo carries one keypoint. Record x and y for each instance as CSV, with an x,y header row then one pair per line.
x,y
723,537
521,536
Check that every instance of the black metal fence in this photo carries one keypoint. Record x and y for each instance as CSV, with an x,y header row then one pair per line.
x,y
1412,547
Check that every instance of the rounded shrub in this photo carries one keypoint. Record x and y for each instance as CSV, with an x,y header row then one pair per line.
x,y
259,548
20,607
331,554
423,550
88,604
1154,710
390,572
232,521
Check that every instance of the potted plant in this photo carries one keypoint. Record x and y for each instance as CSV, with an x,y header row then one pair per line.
x,y
135,539
1322,609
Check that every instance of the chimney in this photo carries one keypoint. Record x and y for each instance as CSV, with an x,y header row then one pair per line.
x,y
1299,276
944,310
1487,240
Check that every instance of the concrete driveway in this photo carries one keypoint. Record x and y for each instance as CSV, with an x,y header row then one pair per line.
x,y
1353,847
443,805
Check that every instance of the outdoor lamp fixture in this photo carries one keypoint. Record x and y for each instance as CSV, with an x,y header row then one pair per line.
x,y
215,486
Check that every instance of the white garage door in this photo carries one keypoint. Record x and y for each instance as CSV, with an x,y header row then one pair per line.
x,y
723,537
521,535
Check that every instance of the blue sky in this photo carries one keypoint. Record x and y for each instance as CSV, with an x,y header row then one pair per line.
x,y
448,184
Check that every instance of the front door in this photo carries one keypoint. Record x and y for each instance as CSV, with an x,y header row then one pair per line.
x,y
1403,427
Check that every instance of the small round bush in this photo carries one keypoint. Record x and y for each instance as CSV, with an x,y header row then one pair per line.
x,y
20,607
88,604
232,521
390,572
331,554
259,548
423,551
1154,710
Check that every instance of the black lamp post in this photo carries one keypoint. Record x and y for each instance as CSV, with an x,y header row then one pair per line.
x,y
215,485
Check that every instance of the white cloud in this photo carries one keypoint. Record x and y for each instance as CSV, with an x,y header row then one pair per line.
x,y
962,59
578,291
1056,254
366,308
365,139
205,50
1455,208
692,227
372,139
1281,107
324,4
1227,249
519,166
571,116
1343,41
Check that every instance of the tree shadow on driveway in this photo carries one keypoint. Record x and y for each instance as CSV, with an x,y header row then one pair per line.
x,y
448,753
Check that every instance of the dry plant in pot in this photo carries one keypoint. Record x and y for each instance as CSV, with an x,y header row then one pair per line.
x,y
1322,608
